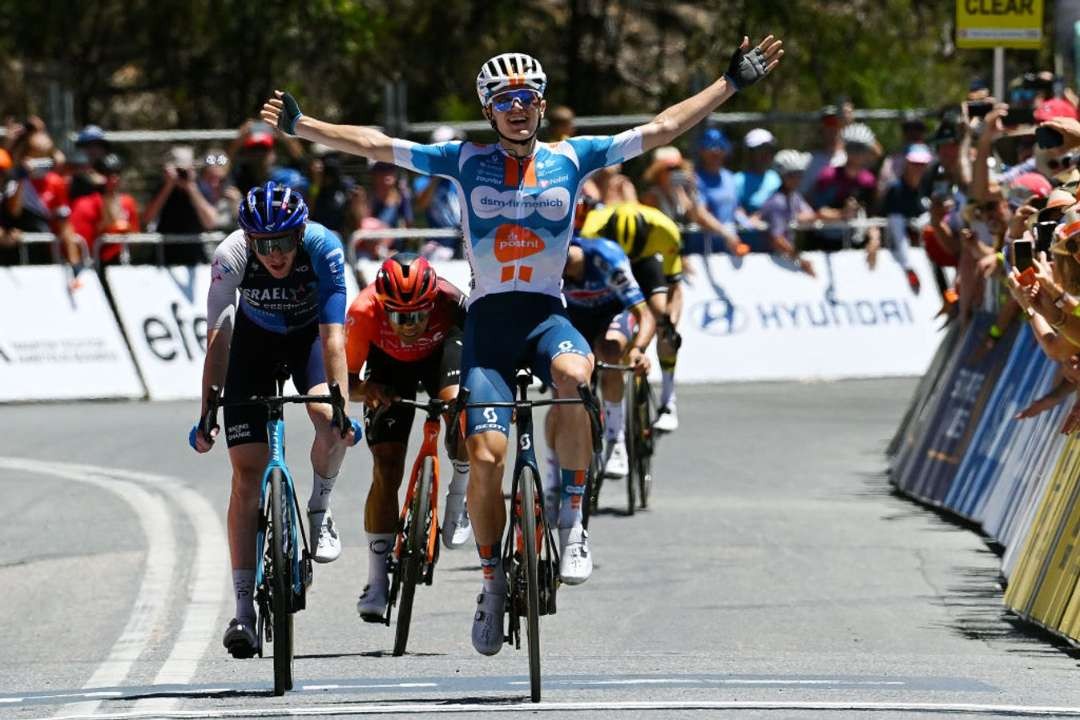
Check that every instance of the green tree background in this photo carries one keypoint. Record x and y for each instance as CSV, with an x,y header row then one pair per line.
x,y
156,64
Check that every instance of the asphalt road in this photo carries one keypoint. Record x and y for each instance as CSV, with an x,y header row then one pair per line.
x,y
775,576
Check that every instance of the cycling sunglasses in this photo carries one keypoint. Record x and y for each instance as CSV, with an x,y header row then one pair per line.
x,y
266,244
1062,163
411,317
504,101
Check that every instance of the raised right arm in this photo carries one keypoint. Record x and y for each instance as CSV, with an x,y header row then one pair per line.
x,y
282,112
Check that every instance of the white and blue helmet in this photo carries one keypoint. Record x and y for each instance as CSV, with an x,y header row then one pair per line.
x,y
509,71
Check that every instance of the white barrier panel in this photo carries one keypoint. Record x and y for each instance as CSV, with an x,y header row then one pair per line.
x,y
757,318
163,311
60,344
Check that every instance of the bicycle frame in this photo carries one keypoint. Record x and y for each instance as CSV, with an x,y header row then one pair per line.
x,y
275,433
428,448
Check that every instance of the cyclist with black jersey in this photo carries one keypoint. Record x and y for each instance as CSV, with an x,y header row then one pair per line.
x,y
517,213
277,295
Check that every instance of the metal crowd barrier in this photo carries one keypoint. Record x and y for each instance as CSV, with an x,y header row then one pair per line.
x,y
211,239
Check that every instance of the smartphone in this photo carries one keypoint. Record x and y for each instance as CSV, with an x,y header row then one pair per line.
x,y
979,108
1044,235
1023,253
1048,137
183,173
1019,116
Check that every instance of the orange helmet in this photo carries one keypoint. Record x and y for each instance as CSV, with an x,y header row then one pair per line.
x,y
406,281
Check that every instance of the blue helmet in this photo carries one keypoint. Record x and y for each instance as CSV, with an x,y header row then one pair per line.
x,y
272,208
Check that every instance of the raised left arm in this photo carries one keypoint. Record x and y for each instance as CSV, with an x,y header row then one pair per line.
x,y
746,68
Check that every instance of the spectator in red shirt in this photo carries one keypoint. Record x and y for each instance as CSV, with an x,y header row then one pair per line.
x,y
106,212
37,199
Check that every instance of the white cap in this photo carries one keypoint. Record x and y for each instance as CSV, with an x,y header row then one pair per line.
x,y
443,133
758,137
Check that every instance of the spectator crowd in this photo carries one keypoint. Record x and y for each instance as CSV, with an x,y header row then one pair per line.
x,y
958,190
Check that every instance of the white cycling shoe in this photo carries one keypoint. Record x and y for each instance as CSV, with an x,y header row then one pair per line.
x,y
372,603
618,463
327,543
456,529
487,629
575,558
668,418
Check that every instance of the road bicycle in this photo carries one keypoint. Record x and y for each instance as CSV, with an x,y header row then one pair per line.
x,y
530,551
640,404
283,564
416,546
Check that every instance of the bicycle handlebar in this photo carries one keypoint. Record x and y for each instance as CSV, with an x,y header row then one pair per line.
x,y
335,399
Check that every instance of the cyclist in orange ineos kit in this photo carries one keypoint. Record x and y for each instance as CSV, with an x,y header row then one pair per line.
x,y
407,327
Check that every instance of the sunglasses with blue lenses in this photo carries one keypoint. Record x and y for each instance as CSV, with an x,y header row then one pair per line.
x,y
413,317
266,244
504,101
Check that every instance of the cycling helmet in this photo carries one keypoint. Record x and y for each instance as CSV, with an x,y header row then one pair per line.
x,y
406,281
858,134
509,71
791,161
628,228
272,208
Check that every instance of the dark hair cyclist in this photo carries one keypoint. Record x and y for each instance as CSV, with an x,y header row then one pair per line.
x,y
517,219
289,276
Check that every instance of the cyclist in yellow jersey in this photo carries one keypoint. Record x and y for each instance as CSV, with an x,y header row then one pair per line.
x,y
653,243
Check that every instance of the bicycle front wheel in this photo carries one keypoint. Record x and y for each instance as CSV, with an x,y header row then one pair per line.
x,y
528,484
281,582
411,565
645,439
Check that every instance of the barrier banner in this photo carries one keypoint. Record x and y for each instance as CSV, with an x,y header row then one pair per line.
x,y
57,343
919,424
163,311
964,397
1045,580
1028,374
757,318
925,391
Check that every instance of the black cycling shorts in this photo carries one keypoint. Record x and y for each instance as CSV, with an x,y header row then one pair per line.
x,y
436,372
649,273
254,357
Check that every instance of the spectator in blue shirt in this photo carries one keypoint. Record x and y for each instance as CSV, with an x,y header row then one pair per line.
x,y
717,187
438,199
754,186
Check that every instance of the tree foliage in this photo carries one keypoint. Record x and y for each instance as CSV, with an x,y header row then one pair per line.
x,y
210,63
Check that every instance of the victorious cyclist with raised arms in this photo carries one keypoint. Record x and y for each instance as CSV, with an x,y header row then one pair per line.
x,y
518,197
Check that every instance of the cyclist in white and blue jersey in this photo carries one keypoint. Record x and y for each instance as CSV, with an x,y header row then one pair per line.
x,y
277,295
518,200
606,305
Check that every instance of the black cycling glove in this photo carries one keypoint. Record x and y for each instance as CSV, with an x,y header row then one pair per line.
x,y
745,68
290,113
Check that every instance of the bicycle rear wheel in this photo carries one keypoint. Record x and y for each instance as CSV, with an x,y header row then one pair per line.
x,y
645,439
411,565
528,484
281,582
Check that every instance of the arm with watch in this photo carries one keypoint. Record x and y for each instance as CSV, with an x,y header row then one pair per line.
x,y
1060,309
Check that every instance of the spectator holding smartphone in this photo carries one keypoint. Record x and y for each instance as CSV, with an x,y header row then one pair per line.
x,y
109,211
178,207
788,206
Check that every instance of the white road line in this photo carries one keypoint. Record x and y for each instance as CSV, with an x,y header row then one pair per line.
x,y
370,687
151,601
307,710
207,586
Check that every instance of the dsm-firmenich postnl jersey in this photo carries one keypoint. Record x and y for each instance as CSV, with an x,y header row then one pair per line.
x,y
519,214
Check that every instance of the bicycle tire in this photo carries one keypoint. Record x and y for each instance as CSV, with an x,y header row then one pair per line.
x,y
592,491
528,484
412,566
281,584
631,429
645,440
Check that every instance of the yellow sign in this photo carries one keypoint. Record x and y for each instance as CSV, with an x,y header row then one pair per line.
x,y
999,23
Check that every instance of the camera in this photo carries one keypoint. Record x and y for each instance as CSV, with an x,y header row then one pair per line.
x,y
183,173
1019,116
979,108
